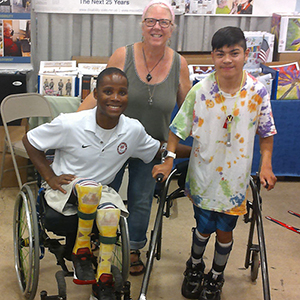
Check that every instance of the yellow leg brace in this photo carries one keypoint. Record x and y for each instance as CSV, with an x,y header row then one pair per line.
x,y
107,222
88,200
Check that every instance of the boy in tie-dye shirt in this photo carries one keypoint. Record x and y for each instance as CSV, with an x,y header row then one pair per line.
x,y
223,113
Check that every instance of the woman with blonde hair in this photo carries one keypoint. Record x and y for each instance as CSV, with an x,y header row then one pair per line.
x,y
158,80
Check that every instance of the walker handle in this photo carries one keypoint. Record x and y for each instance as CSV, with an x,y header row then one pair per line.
x,y
159,177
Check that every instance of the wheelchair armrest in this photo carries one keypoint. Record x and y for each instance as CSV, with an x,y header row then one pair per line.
x,y
182,166
181,171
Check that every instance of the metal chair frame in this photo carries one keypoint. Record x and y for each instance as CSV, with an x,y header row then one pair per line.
x,y
17,107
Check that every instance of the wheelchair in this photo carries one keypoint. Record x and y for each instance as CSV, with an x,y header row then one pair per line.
x,y
255,253
31,238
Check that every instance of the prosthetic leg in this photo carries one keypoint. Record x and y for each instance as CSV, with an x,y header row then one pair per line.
x,y
89,194
107,222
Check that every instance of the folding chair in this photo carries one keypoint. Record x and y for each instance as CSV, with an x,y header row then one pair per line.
x,y
16,107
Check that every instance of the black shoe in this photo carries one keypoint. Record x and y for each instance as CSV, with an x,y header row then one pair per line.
x,y
193,275
212,287
104,288
83,267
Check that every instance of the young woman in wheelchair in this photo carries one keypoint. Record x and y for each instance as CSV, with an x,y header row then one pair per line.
x,y
91,144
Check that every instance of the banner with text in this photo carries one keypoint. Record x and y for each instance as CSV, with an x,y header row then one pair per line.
x,y
231,7
90,6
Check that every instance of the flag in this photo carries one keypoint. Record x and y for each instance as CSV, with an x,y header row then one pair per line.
x,y
264,51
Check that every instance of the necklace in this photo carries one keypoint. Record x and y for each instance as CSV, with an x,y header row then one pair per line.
x,y
150,100
149,76
229,118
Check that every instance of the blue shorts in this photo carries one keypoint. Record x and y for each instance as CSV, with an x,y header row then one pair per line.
x,y
209,221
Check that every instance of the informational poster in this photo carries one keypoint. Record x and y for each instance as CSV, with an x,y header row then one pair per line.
x,y
58,78
15,31
229,7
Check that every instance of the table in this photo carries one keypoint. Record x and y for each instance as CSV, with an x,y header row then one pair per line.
x,y
59,104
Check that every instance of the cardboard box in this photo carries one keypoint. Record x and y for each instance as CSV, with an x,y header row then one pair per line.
x,y
290,57
9,177
91,59
197,58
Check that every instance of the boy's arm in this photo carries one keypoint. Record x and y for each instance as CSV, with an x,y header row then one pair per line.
x,y
167,166
182,151
266,173
38,158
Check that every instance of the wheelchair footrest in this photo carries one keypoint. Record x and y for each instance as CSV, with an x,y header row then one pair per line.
x,y
44,296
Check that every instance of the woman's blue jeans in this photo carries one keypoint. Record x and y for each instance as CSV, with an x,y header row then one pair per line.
x,y
140,193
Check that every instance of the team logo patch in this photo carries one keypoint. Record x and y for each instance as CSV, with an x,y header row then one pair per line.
x,y
122,148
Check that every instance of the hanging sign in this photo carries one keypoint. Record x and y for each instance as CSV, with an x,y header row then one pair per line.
x,y
90,6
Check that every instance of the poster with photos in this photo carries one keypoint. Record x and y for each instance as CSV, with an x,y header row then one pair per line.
x,y
15,31
58,78
56,85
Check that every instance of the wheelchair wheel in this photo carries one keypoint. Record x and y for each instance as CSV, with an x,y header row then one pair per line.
x,y
26,242
254,265
121,254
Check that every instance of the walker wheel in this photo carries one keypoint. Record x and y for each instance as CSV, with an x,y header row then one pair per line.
x,y
255,263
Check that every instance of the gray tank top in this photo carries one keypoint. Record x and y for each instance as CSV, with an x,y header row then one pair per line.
x,y
156,117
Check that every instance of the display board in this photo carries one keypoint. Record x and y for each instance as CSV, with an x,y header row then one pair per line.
x,y
15,31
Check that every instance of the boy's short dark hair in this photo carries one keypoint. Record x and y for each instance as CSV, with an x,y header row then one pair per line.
x,y
110,71
228,36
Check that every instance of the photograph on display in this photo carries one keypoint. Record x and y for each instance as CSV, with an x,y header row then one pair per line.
x,y
21,6
234,7
288,81
293,35
199,6
16,38
289,33
15,6
54,85
6,6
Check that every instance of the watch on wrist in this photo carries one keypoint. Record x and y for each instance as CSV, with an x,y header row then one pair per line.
x,y
166,154
163,147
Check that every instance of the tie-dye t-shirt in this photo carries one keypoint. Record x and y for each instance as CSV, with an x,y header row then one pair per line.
x,y
218,176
